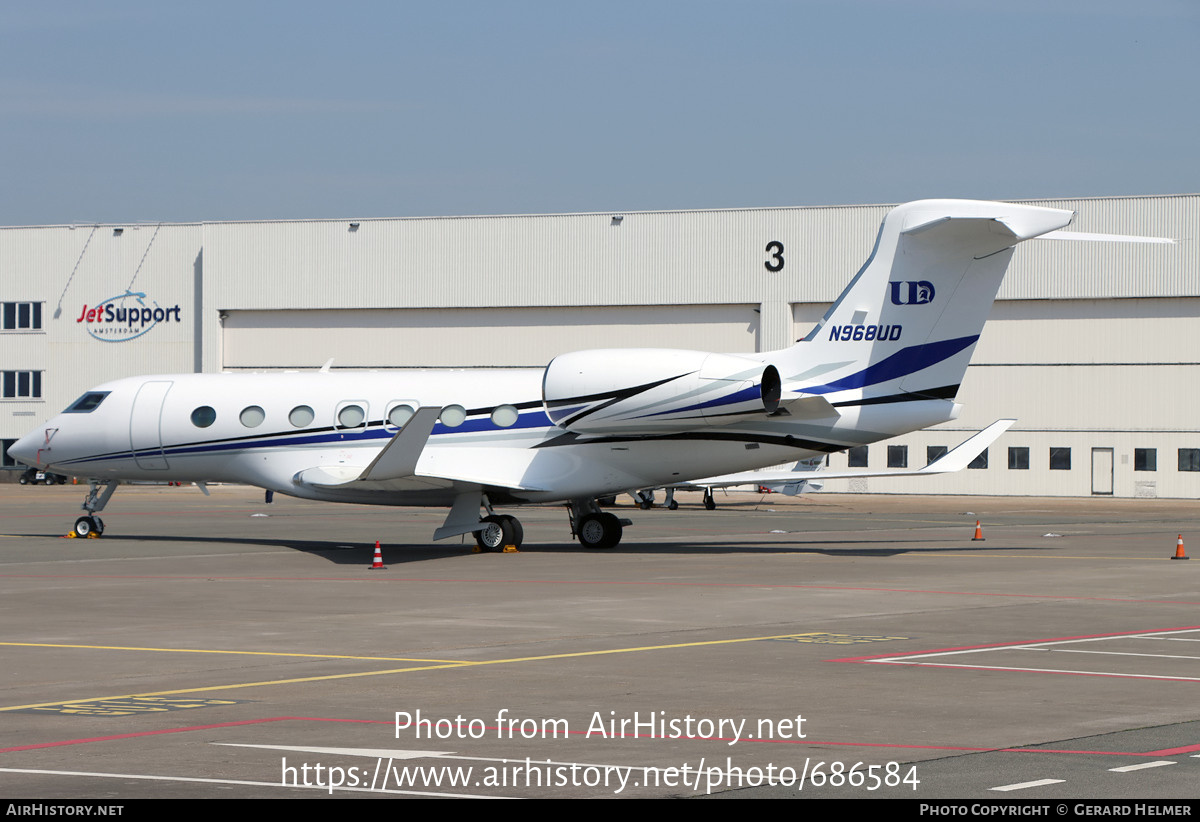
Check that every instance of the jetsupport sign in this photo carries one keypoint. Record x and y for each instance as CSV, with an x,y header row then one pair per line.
x,y
125,317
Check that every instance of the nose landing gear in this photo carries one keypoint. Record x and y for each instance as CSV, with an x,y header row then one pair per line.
x,y
89,527
99,493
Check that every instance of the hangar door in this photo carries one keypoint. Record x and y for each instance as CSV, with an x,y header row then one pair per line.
x,y
466,337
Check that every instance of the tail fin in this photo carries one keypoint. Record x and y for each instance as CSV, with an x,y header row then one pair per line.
x,y
908,322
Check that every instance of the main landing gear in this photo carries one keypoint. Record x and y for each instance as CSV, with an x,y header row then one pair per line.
x,y
99,493
498,531
592,527
494,532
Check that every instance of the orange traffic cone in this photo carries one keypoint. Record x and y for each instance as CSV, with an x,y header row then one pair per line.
x,y
1179,552
377,564
978,533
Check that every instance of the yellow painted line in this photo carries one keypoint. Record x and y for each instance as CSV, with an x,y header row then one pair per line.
x,y
246,653
213,688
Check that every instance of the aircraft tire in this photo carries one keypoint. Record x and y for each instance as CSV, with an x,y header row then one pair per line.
x,y
672,505
497,531
85,526
599,531
518,531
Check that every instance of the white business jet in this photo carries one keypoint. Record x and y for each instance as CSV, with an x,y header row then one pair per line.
x,y
886,359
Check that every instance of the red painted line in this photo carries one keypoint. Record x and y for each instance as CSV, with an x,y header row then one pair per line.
x,y
1192,680
146,514
1175,751
1066,751
1015,644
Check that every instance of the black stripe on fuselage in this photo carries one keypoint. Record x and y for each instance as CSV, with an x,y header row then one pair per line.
x,y
613,397
946,392
788,441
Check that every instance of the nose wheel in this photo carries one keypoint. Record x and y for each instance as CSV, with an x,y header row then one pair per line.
x,y
87,526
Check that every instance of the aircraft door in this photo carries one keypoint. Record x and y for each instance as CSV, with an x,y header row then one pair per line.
x,y
145,425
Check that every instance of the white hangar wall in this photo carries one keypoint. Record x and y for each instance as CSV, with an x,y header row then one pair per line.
x,y
1091,345
51,277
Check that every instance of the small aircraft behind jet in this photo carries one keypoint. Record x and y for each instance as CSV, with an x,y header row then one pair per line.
x,y
887,359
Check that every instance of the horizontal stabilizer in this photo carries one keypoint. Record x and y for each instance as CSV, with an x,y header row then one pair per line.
x,y
1083,236
806,407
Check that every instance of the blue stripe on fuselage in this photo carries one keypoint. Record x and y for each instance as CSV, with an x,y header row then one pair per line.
x,y
904,362
534,419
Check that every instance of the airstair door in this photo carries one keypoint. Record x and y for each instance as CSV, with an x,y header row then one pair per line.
x,y
145,425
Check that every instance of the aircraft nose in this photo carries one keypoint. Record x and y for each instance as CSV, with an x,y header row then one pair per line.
x,y
26,449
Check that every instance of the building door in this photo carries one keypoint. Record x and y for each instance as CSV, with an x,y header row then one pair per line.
x,y
1102,471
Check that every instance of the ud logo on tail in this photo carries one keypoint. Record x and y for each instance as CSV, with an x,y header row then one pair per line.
x,y
920,292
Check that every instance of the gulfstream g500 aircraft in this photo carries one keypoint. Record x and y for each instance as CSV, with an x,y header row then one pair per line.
x,y
886,359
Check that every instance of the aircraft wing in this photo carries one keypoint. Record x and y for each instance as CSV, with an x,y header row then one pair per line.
x,y
955,459
405,464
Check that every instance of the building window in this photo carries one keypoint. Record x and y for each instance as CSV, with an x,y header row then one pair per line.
x,y
1018,459
21,384
1145,459
980,461
856,457
933,452
1189,459
897,456
1060,459
20,316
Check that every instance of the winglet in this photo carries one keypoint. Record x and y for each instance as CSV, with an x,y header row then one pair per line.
x,y
961,455
399,457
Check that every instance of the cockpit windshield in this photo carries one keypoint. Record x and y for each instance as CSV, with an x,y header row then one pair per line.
x,y
88,403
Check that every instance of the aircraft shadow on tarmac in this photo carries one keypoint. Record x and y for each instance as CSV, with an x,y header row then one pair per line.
x,y
341,552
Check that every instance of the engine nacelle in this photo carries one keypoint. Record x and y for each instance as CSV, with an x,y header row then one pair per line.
x,y
656,390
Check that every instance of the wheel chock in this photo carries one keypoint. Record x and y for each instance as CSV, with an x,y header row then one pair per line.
x,y
1179,552
510,549
70,534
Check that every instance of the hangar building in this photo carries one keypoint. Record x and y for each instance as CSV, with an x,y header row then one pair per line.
x,y
1093,347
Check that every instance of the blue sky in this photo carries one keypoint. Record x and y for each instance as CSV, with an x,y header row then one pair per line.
x,y
149,111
